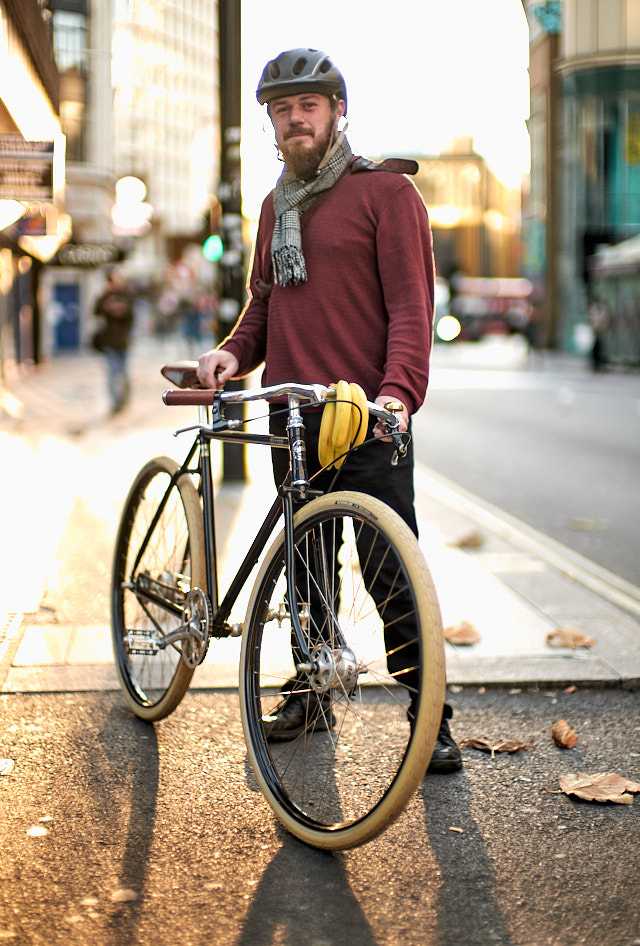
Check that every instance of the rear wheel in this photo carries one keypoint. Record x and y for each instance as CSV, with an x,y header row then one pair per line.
x,y
157,585
368,712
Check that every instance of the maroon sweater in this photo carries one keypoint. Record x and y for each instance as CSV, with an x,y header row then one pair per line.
x,y
366,312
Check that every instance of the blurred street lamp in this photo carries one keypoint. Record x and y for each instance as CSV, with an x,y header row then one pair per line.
x,y
49,232
10,211
131,214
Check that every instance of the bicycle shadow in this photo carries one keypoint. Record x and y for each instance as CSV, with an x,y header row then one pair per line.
x,y
467,875
304,891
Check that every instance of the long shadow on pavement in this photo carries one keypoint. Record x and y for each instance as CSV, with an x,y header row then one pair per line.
x,y
466,908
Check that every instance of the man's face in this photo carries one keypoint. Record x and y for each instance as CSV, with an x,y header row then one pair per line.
x,y
303,125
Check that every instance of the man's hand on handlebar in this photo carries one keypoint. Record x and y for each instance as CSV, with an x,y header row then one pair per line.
x,y
403,417
216,367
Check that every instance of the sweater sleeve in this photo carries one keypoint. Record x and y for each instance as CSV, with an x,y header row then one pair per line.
x,y
248,339
407,275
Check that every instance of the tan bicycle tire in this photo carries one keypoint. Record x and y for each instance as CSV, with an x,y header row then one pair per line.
x,y
420,746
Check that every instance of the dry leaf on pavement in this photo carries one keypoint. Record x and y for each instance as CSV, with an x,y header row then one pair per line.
x,y
605,786
462,633
473,540
563,735
569,637
497,745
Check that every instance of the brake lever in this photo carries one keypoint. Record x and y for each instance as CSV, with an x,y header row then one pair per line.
x,y
401,448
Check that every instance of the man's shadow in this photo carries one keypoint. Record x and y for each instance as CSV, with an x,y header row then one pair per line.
x,y
128,747
466,908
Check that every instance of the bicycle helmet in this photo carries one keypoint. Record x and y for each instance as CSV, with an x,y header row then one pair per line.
x,y
300,70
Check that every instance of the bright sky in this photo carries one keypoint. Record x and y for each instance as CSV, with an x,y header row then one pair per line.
x,y
418,73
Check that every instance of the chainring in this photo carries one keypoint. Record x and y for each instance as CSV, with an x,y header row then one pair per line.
x,y
199,617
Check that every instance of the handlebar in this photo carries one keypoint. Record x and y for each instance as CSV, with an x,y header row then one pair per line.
x,y
184,375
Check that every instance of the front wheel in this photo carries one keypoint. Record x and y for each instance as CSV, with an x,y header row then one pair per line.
x,y
362,719
158,560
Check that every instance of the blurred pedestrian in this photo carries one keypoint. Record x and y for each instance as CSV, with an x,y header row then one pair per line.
x,y
190,318
115,310
342,286
598,319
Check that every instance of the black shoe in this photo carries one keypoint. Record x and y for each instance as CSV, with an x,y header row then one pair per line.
x,y
301,712
446,756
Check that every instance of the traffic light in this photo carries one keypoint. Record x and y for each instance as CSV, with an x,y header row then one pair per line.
x,y
212,248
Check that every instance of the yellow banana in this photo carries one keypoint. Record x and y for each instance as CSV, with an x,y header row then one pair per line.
x,y
359,417
342,421
325,444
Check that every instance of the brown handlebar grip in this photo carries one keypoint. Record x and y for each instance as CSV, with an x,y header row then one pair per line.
x,y
175,398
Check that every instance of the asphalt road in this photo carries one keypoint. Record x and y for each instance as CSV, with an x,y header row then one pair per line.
x,y
117,832
114,832
556,446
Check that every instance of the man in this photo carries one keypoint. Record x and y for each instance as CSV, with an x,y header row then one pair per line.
x,y
115,308
341,288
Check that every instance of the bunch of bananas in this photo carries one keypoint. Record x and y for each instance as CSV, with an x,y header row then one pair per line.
x,y
344,423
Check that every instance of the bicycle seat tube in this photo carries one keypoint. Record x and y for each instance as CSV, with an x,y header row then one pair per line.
x,y
208,509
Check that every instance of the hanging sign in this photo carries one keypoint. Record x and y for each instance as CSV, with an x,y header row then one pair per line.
x,y
26,169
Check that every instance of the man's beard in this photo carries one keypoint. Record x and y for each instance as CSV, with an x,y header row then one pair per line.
x,y
303,162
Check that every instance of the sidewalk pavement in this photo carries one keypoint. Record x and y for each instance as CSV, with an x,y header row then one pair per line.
x,y
511,583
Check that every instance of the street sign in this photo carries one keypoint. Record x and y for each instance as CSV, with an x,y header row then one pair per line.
x,y
26,169
88,255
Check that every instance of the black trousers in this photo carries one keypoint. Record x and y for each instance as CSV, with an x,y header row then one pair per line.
x,y
369,470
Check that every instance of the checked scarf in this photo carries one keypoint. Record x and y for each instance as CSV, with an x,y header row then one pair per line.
x,y
291,199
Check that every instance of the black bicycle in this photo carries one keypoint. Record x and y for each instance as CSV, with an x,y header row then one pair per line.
x,y
343,616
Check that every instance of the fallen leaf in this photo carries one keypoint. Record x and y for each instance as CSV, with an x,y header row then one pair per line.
x,y
569,637
497,745
605,786
586,524
123,895
462,633
473,540
563,735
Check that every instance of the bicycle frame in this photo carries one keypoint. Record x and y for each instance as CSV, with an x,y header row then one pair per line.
x,y
341,665
297,489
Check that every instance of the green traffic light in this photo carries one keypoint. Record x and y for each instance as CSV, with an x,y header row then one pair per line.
x,y
212,248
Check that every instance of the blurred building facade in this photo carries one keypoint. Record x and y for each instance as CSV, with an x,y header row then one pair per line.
x,y
133,87
32,149
474,216
166,116
80,32
585,151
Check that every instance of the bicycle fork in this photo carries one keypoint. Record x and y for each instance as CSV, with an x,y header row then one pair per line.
x,y
328,663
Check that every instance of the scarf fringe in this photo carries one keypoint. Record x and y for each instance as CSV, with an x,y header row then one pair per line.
x,y
289,266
